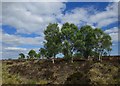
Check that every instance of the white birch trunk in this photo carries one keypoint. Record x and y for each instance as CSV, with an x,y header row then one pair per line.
x,y
72,60
53,61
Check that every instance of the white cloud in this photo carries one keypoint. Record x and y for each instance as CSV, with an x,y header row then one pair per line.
x,y
0,34
15,49
104,18
10,45
31,17
60,0
15,40
92,15
114,36
113,32
0,13
91,25
13,52
76,16
34,0
106,22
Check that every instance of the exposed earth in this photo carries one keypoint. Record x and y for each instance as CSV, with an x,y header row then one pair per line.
x,y
62,72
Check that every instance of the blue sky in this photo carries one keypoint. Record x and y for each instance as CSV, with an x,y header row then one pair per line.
x,y
23,23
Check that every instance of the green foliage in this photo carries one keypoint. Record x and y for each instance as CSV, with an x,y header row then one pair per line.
x,y
69,39
102,42
92,42
72,41
43,52
66,49
53,40
37,55
22,56
68,32
78,55
32,54
87,37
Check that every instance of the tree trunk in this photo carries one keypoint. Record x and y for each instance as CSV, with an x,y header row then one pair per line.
x,y
99,57
72,60
53,61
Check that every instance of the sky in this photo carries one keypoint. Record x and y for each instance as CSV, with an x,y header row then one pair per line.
x,y
22,23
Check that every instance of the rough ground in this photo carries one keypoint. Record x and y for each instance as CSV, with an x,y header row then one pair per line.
x,y
62,72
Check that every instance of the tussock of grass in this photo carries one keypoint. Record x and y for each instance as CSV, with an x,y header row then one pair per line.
x,y
8,78
103,74
42,82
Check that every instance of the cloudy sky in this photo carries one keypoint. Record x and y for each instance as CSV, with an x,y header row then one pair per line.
x,y
23,23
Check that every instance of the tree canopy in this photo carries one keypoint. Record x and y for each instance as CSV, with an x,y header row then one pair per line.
x,y
32,54
22,56
73,41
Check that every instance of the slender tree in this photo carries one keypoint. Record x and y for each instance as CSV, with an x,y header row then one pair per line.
x,y
79,44
32,54
42,52
53,40
66,49
68,32
103,42
87,40
22,56
92,42
37,56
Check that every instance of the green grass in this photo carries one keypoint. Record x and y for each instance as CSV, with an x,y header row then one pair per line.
x,y
8,78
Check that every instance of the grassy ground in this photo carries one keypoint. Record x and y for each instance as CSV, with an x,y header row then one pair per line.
x,y
33,72
8,78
